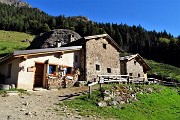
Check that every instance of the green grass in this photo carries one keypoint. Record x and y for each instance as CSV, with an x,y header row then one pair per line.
x,y
11,41
164,40
164,70
19,90
162,104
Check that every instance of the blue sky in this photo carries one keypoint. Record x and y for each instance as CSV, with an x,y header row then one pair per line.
x,y
156,15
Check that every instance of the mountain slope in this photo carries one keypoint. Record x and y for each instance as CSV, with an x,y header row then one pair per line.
x,y
17,3
158,46
11,41
164,70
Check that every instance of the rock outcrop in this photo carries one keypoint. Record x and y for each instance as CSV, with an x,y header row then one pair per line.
x,y
17,3
54,38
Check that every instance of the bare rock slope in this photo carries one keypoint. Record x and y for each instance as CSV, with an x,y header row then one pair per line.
x,y
52,38
17,3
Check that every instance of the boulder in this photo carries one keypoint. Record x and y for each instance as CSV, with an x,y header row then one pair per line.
x,y
107,98
4,87
78,84
102,104
113,103
51,38
107,92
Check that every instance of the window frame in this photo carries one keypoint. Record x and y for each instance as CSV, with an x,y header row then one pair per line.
x,y
52,71
98,67
109,70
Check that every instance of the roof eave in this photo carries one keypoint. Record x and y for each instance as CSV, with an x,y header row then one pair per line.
x,y
101,36
40,51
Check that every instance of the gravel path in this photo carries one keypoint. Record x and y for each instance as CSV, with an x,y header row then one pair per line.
x,y
40,105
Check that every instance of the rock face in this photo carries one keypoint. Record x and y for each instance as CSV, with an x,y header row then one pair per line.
x,y
54,38
17,3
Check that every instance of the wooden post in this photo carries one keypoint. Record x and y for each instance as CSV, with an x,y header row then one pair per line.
x,y
89,96
100,85
89,85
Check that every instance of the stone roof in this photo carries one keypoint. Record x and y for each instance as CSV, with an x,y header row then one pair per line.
x,y
128,57
51,38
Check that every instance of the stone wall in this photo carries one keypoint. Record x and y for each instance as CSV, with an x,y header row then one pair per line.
x,y
82,68
135,68
107,57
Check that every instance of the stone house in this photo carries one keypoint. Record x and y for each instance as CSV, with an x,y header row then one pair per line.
x,y
28,69
100,56
134,66
100,53
93,55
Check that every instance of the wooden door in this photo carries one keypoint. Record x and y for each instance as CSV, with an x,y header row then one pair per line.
x,y
39,73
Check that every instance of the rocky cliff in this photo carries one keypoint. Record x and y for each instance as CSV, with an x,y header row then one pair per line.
x,y
54,38
17,3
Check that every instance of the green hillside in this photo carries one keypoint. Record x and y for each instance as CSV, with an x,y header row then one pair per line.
x,y
162,104
153,45
11,41
164,70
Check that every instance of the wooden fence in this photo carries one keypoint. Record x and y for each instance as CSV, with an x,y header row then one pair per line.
x,y
102,79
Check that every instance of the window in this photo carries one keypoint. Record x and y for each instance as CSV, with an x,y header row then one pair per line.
x,y
52,69
104,46
134,62
97,67
139,75
108,70
9,70
75,58
130,74
69,70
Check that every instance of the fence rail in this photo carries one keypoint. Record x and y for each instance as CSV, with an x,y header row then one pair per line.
x,y
128,79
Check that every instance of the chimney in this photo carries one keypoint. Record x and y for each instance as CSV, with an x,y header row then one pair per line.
x,y
70,38
58,43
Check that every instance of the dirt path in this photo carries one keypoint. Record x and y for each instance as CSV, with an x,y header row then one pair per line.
x,y
39,105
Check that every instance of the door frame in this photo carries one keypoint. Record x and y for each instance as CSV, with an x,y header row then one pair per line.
x,y
44,74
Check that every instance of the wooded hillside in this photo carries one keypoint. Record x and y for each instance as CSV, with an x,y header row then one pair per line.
x,y
158,46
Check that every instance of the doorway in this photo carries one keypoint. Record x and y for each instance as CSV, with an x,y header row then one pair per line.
x,y
39,75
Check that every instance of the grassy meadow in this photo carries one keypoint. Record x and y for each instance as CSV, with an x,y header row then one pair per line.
x,y
164,70
162,104
11,41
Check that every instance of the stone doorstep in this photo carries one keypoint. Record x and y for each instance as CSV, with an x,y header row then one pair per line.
x,y
39,89
42,89
11,93
54,89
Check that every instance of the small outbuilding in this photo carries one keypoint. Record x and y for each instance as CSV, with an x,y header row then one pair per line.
x,y
134,66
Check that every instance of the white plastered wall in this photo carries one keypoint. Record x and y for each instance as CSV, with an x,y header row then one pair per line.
x,y
26,79
14,71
